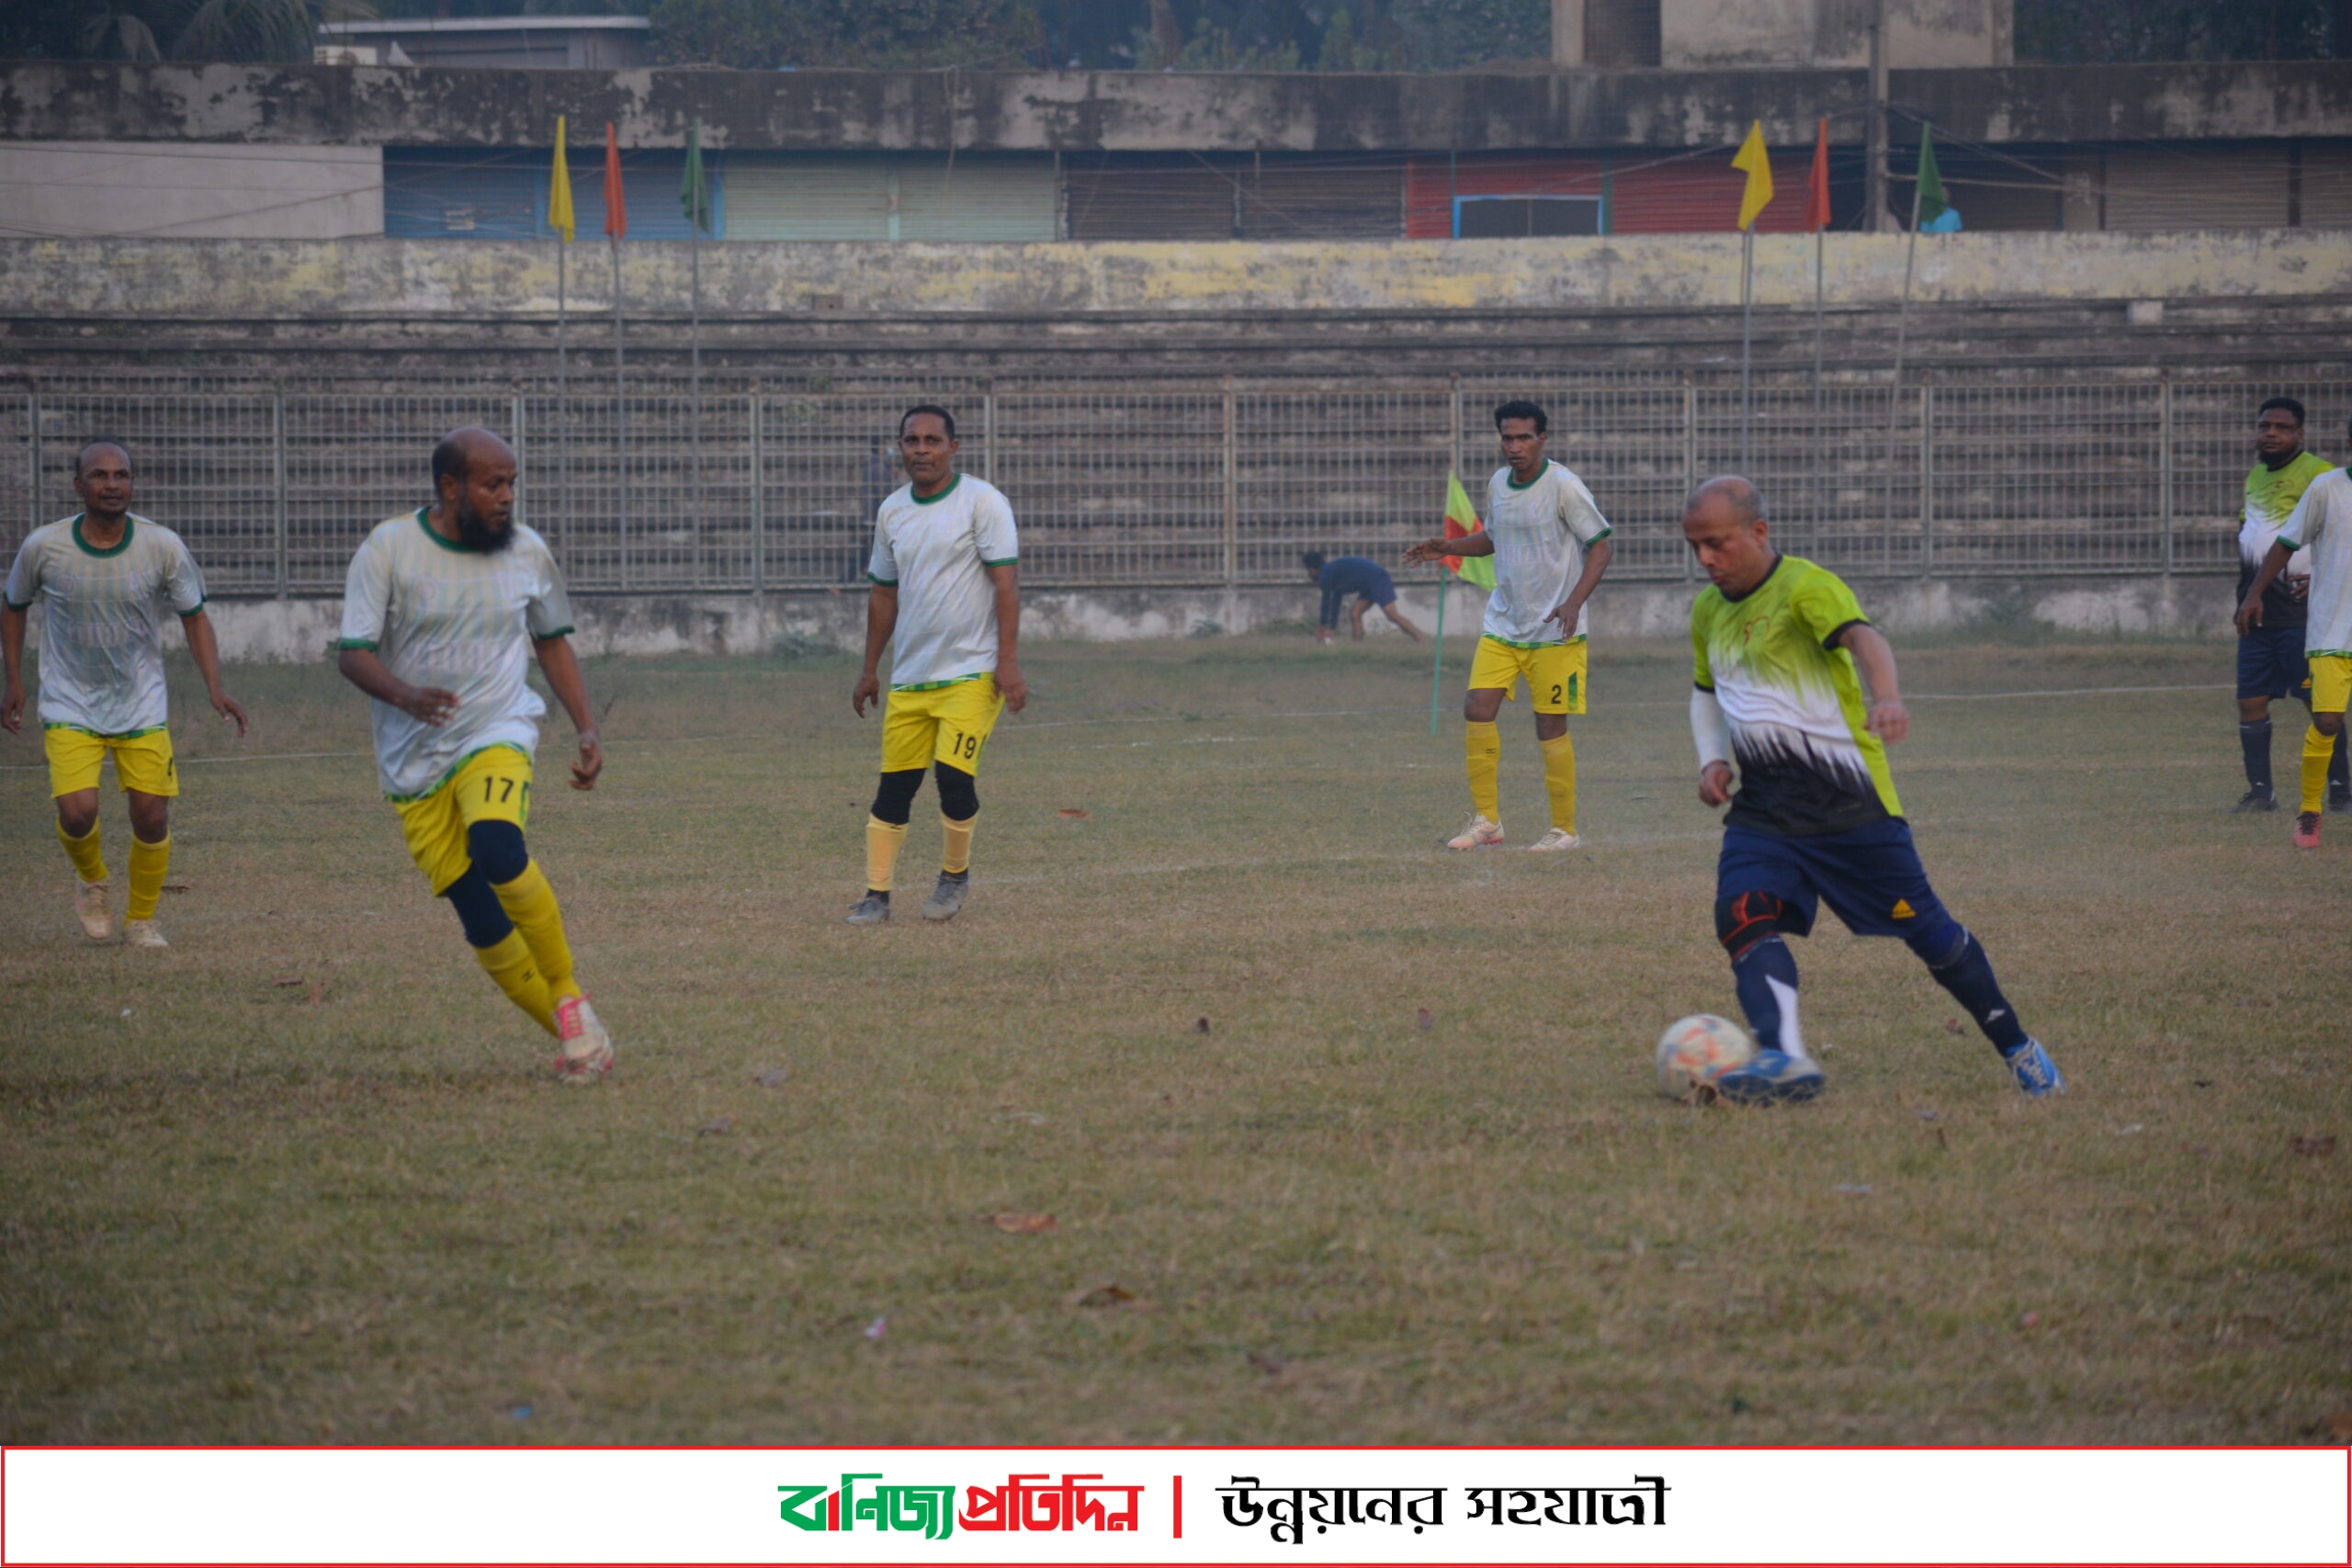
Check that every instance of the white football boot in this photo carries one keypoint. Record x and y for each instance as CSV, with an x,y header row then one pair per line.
x,y
587,1048
143,933
90,909
1557,839
1478,835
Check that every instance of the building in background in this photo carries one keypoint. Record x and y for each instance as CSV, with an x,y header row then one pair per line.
x,y
500,43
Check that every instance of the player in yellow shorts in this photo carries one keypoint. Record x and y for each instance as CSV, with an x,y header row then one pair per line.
x,y
102,580
1550,545
946,602
492,785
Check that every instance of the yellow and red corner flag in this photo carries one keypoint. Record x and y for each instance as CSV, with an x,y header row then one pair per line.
x,y
1757,163
1816,207
615,206
1462,520
559,217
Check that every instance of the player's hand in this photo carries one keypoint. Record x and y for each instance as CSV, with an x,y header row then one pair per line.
x,y
592,761
228,707
1889,721
867,690
1425,552
2249,614
1562,613
2297,587
428,704
12,711
1714,785
1012,687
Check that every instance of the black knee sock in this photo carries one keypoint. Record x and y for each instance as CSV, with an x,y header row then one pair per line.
x,y
1967,973
2254,740
2339,766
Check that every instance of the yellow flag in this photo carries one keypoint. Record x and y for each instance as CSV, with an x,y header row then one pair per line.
x,y
559,189
1757,163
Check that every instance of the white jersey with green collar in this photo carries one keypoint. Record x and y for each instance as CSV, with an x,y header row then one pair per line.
x,y
439,614
2321,522
1541,530
935,551
102,621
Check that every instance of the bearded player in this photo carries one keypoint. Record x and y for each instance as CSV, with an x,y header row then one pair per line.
x,y
2321,524
443,611
103,577
1784,655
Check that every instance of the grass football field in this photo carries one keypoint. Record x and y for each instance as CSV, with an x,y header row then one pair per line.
x,y
1342,1138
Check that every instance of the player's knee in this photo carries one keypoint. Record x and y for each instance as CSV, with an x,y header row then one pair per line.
x,y
497,850
1940,944
959,797
2328,723
1746,919
78,813
478,911
894,798
151,817
2254,710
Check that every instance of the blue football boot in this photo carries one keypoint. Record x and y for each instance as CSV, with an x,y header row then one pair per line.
x,y
1768,1076
2036,1073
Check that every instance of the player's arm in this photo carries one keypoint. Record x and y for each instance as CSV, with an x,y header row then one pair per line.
x,y
881,620
12,652
560,665
2250,611
1712,734
204,647
1874,658
427,704
1596,561
1478,544
1006,581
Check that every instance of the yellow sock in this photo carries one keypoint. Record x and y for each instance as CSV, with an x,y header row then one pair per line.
x,y
2317,749
958,836
509,962
530,903
1560,780
88,861
1483,749
148,864
882,841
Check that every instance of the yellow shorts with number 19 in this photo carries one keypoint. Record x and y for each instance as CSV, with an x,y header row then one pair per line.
x,y
948,724
1555,672
492,785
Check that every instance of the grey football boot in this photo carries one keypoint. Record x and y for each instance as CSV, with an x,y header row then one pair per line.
x,y
947,895
873,910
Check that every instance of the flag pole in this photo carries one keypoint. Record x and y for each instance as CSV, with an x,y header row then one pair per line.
x,y
1747,335
1903,313
1437,663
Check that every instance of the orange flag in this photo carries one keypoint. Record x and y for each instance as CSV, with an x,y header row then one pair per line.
x,y
1816,208
615,208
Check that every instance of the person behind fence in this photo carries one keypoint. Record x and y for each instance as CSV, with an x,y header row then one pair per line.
x,y
946,602
1794,683
1551,545
442,610
1341,576
2271,662
102,577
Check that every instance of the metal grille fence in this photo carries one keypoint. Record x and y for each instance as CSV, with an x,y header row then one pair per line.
x,y
1138,484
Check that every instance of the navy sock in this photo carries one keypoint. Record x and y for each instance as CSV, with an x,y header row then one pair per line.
x,y
2254,740
2339,765
1968,976
1766,975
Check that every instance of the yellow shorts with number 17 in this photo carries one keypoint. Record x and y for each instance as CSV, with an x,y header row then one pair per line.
x,y
948,724
492,785
1555,672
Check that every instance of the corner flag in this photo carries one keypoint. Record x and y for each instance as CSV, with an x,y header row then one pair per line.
x,y
616,205
694,191
1757,163
1462,520
1816,207
559,190
1933,201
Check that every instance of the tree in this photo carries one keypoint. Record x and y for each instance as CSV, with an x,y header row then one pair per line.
x,y
177,29
761,35
2097,32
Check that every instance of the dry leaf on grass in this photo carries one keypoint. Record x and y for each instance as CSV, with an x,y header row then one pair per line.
x,y
773,1078
1201,1025
1103,1295
1942,1142
2339,1426
1023,1224
288,980
717,1128
1072,813
2317,1145
1953,1026
175,886
1273,1365
1426,1019
318,992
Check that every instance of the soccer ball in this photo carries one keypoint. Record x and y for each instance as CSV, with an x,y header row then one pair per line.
x,y
1698,1050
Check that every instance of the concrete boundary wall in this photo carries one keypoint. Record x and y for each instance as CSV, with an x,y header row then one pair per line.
x,y
425,279
303,630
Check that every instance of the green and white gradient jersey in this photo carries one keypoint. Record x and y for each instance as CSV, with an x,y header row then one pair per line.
x,y
1540,531
1807,762
936,553
102,621
2321,522
439,614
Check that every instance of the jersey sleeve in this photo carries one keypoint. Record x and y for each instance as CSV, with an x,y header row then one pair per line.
x,y
884,568
1825,606
1579,513
366,595
994,531
548,613
183,581
24,575
1702,672
2301,527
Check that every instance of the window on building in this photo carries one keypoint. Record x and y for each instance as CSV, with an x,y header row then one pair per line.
x,y
1524,217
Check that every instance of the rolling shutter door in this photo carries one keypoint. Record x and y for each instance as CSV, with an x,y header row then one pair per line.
x,y
2212,186
432,194
977,198
783,195
2327,183
1318,200
1152,198
1701,196
650,183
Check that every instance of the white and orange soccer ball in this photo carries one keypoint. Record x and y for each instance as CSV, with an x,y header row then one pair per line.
x,y
1696,1050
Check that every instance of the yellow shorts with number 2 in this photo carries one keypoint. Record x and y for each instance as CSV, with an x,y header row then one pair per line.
x,y
948,724
143,763
494,785
1555,672
2331,682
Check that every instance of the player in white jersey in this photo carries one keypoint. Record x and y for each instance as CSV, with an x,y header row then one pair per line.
x,y
442,612
2321,524
102,579
1551,545
947,589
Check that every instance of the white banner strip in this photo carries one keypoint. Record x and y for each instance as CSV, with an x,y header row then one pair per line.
x,y
1175,1506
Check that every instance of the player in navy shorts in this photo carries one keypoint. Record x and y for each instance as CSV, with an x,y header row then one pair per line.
x,y
1368,581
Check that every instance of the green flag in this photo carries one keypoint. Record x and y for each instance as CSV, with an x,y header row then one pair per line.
x,y
1932,204
694,191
